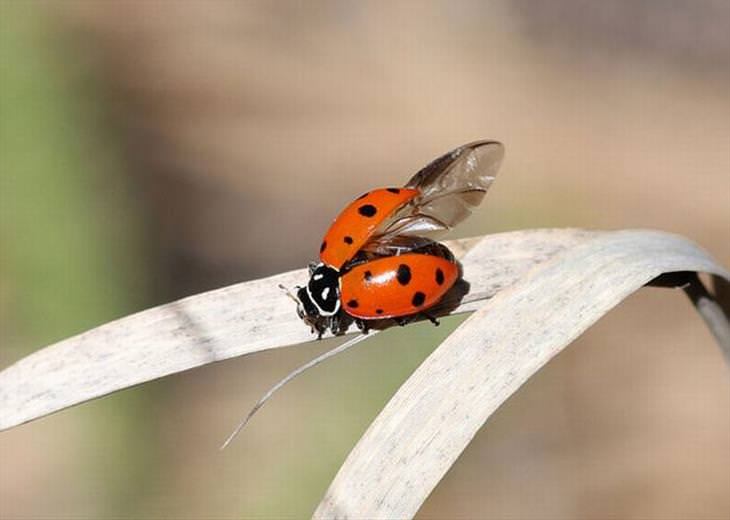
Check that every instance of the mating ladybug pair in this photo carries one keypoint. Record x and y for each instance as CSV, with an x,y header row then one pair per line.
x,y
379,260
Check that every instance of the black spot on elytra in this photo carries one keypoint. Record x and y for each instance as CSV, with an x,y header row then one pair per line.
x,y
404,274
323,246
439,276
367,210
394,190
418,299
368,276
348,240
363,195
378,311
352,304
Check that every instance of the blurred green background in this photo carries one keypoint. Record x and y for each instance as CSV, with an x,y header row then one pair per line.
x,y
152,150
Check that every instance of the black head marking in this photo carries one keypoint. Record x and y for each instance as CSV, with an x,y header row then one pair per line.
x,y
394,190
418,299
404,274
348,240
309,308
367,210
352,304
323,290
439,276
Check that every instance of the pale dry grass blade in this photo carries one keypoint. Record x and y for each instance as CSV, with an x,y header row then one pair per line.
x,y
438,410
291,375
235,320
710,309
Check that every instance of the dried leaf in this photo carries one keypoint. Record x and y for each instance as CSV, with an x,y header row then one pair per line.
x,y
224,323
438,410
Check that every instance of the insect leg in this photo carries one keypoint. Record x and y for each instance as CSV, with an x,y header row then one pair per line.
x,y
363,325
336,325
431,319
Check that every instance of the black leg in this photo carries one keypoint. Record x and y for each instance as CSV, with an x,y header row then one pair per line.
x,y
401,321
362,325
334,325
340,324
431,319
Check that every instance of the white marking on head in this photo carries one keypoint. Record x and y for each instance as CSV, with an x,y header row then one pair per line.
x,y
325,293
318,276
323,312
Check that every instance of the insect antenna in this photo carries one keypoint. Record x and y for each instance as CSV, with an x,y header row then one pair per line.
x,y
316,361
289,293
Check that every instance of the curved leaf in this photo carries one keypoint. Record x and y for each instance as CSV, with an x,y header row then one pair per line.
x,y
235,320
438,410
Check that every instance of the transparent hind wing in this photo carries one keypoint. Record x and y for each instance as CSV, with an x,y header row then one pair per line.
x,y
472,166
393,245
451,187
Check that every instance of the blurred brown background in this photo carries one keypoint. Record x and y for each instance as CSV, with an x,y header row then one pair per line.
x,y
154,149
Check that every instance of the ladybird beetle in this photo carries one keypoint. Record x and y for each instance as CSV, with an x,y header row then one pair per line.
x,y
379,259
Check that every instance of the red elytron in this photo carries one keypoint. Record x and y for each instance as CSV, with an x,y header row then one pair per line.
x,y
395,286
357,223
379,260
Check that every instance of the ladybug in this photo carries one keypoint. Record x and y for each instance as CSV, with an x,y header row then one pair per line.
x,y
379,259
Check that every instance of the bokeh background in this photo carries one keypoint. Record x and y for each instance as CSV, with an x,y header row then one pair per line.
x,y
155,149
